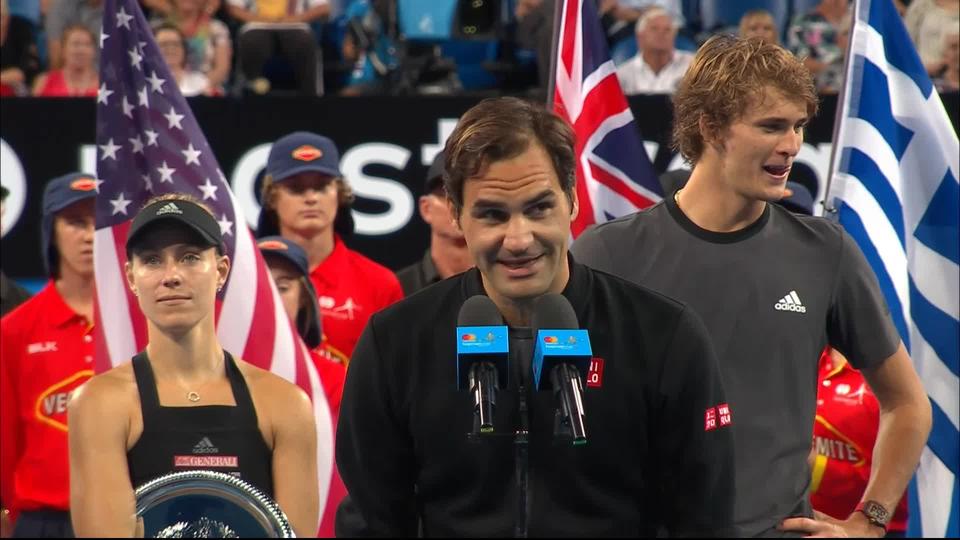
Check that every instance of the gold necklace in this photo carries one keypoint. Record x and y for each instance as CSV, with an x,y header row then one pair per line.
x,y
194,395
676,197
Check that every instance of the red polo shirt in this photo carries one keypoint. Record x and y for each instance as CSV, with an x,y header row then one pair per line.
x,y
351,288
47,352
844,433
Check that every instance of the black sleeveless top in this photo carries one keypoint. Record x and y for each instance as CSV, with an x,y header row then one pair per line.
x,y
219,438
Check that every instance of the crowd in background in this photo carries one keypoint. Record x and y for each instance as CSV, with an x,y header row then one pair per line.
x,y
362,47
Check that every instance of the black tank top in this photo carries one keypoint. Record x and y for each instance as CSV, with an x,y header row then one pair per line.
x,y
220,438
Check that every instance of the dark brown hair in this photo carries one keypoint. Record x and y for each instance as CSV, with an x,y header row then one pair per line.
x,y
727,75
502,128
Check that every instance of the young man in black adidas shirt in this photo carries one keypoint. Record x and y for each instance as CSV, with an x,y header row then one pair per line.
x,y
773,288
659,451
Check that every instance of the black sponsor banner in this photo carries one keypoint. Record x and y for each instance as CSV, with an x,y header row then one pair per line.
x,y
386,144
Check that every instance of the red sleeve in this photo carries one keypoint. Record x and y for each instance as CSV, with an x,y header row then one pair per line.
x,y
392,291
10,437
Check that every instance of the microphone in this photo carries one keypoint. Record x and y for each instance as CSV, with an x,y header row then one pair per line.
x,y
482,357
561,359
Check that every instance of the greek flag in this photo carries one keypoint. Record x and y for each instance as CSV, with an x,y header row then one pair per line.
x,y
896,190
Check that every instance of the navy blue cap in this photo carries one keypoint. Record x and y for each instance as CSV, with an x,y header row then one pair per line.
x,y
60,193
298,152
302,151
434,174
308,321
801,202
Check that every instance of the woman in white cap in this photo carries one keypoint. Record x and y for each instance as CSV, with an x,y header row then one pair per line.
x,y
147,418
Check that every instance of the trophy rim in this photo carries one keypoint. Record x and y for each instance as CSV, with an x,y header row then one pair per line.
x,y
265,510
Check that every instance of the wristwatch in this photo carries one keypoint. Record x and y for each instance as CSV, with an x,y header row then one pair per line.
x,y
875,512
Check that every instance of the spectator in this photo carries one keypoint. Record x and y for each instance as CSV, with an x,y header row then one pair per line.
x,y
844,435
47,353
928,22
307,200
657,66
19,62
173,47
830,79
64,13
759,23
368,44
618,17
279,26
11,294
78,77
208,48
447,254
164,8
534,32
948,80
813,35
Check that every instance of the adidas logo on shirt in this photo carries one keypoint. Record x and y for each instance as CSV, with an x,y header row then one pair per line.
x,y
790,302
169,208
205,447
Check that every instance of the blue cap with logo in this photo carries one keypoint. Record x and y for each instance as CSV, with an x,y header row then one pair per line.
x,y
302,151
308,320
60,193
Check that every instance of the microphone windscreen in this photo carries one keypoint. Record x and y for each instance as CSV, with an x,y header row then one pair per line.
x,y
479,310
553,311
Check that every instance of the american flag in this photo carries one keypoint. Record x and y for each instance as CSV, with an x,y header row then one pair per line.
x,y
149,143
614,173
897,195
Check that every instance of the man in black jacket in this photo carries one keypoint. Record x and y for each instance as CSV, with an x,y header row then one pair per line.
x,y
659,454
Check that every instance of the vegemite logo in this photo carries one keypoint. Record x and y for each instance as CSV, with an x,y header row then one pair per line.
x,y
272,244
550,339
51,406
83,184
306,153
468,338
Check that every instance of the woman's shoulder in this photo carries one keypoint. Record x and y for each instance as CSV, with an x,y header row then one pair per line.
x,y
269,385
105,391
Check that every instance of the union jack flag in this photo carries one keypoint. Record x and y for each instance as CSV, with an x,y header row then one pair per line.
x,y
614,173
149,143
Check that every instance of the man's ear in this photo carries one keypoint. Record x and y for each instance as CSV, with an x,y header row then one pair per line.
x,y
423,204
453,212
712,136
574,205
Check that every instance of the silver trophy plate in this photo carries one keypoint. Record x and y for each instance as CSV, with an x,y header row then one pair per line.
x,y
208,504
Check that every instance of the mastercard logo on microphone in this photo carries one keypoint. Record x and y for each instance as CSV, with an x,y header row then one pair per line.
x,y
468,337
550,339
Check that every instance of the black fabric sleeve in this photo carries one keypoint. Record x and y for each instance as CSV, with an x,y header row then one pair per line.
x,y
589,249
694,461
859,323
374,449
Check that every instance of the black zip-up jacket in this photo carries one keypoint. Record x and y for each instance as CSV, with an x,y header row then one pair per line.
x,y
650,464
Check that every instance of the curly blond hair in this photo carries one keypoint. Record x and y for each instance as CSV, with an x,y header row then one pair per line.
x,y
728,75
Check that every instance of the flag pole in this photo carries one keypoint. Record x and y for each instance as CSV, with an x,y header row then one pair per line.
x,y
558,6
842,97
